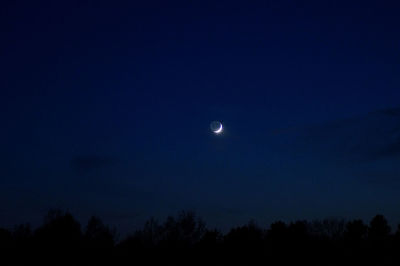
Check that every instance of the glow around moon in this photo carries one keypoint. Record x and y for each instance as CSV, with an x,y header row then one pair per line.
x,y
216,127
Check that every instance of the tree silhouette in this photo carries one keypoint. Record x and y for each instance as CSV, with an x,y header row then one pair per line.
x,y
245,243
379,230
246,236
356,231
397,234
328,228
60,231
211,238
277,237
5,238
185,230
22,236
379,237
277,231
184,240
97,235
148,237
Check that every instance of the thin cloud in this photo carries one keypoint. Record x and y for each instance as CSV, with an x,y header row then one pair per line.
x,y
374,136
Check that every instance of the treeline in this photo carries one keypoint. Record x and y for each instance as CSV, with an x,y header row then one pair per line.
x,y
185,240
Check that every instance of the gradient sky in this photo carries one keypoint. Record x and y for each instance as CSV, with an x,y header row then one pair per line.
x,y
105,109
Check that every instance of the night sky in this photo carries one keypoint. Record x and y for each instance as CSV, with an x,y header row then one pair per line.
x,y
105,109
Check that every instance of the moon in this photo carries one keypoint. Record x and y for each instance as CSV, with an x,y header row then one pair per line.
x,y
216,127
219,130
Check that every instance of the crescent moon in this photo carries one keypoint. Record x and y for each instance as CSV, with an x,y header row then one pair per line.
x,y
219,130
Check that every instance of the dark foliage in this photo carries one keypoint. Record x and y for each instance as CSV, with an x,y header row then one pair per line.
x,y
98,235
185,240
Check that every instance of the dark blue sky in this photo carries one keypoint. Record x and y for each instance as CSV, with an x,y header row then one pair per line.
x,y
105,109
